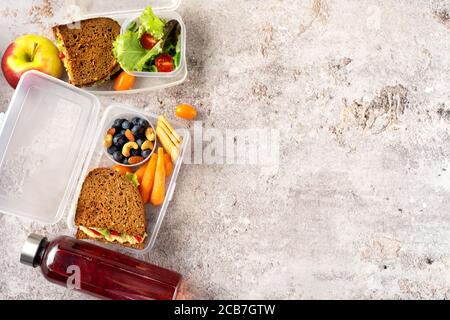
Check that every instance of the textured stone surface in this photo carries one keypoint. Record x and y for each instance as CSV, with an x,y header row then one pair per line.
x,y
359,207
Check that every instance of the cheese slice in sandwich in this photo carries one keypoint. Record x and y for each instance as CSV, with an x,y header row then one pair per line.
x,y
110,209
86,50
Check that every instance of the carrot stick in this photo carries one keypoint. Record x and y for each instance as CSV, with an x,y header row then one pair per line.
x,y
141,171
159,186
168,165
149,177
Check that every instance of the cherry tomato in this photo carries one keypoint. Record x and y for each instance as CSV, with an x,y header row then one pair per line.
x,y
96,233
147,41
186,111
114,233
122,169
62,55
124,81
164,63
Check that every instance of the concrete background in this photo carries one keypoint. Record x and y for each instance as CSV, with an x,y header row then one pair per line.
x,y
359,91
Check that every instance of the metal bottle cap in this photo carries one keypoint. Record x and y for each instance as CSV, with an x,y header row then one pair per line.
x,y
30,250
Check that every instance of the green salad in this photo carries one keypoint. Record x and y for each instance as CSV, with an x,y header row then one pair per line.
x,y
150,44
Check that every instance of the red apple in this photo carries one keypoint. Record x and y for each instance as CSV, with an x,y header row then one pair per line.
x,y
30,52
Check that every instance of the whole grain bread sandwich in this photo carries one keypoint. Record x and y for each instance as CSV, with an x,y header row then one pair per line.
x,y
110,209
86,50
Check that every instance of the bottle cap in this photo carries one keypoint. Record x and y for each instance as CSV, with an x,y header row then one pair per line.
x,y
31,250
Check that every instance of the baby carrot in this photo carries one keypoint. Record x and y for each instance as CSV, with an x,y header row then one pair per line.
x,y
168,165
159,186
149,177
141,171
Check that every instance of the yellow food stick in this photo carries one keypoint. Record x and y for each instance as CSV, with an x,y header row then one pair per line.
x,y
169,126
169,134
167,143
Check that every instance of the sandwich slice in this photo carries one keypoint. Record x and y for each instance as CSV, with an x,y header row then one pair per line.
x,y
86,50
110,209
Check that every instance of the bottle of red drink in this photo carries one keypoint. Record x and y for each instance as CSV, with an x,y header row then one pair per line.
x,y
98,271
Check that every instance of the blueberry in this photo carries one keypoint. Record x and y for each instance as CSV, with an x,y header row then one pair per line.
x,y
140,142
118,123
146,153
138,131
135,121
135,153
118,157
144,123
116,139
125,161
126,125
119,140
112,149
122,132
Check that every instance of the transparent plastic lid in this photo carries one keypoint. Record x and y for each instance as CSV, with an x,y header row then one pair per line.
x,y
44,141
95,8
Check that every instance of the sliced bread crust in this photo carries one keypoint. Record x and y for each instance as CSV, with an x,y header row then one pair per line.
x,y
109,200
88,49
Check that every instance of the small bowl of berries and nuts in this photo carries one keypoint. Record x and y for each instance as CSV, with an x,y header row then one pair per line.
x,y
130,141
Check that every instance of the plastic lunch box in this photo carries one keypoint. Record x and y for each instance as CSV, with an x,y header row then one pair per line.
x,y
126,12
50,139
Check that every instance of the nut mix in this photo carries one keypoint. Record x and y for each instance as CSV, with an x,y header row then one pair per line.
x,y
130,142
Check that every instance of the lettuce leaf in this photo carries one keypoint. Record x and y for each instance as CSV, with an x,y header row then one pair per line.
x,y
133,178
130,54
150,68
128,50
151,24
150,55
177,56
175,51
172,41
133,26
